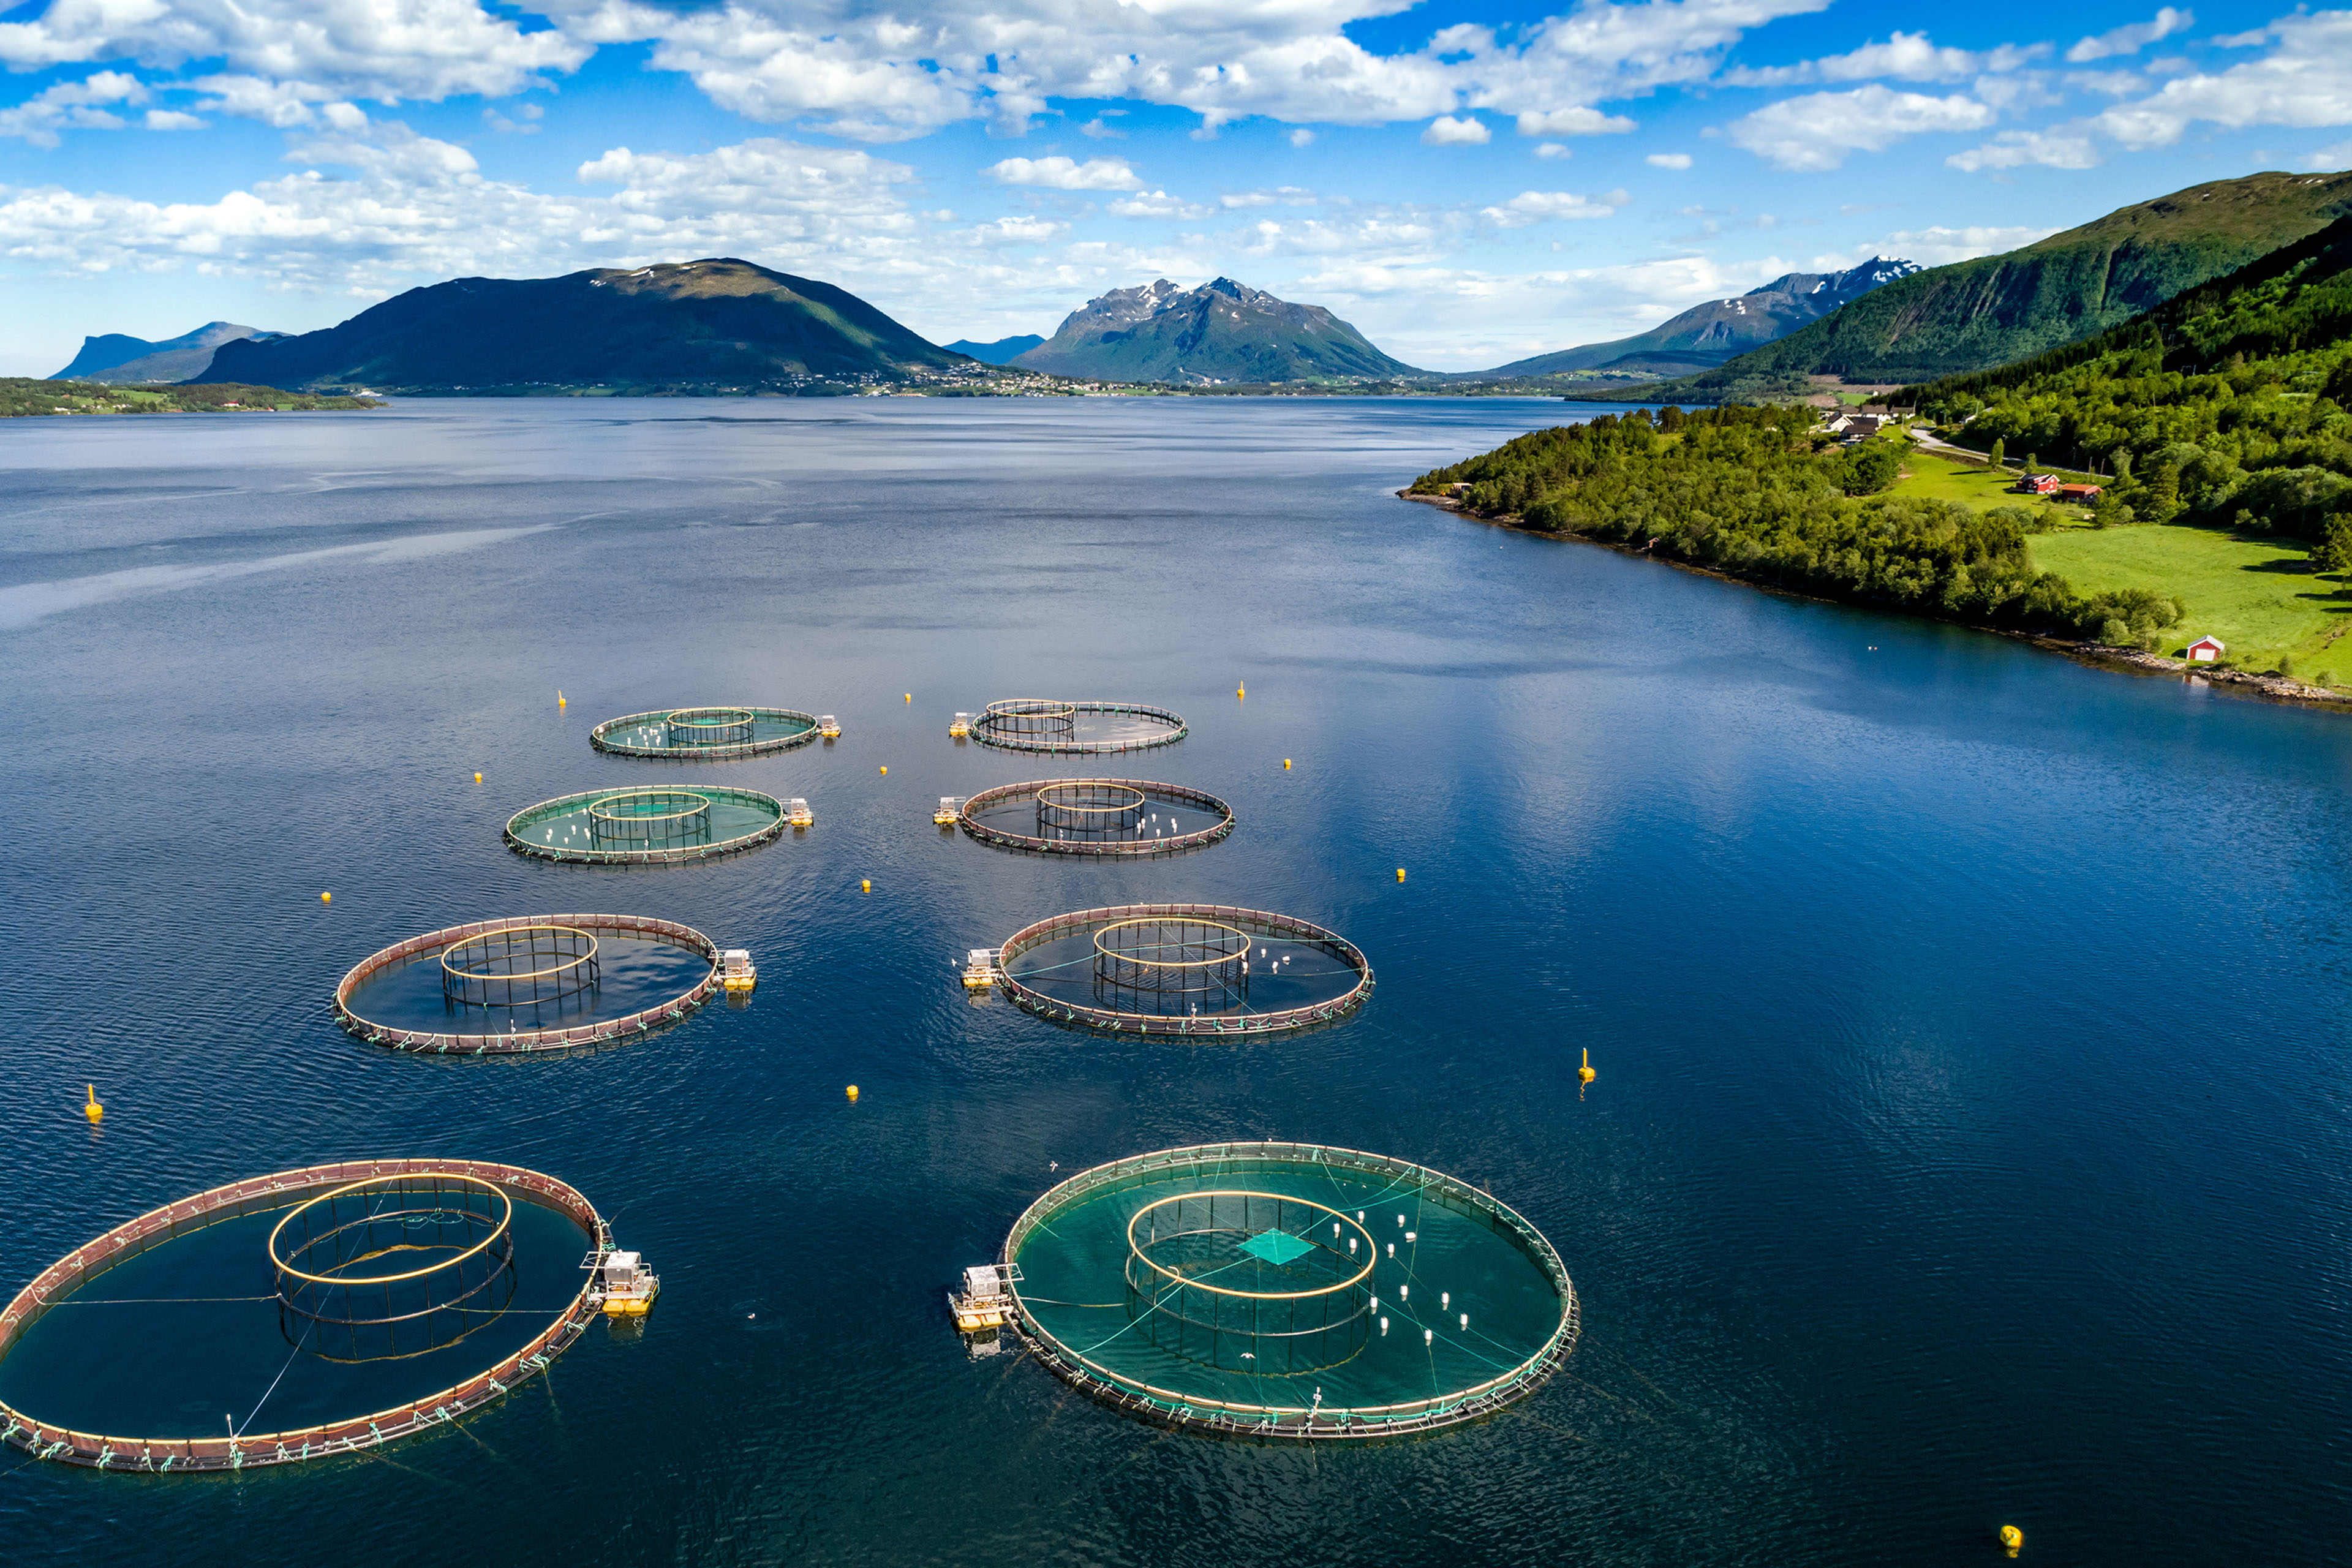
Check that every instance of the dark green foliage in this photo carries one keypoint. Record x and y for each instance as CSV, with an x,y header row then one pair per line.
x,y
1741,491
1869,469
2219,405
2333,550
20,396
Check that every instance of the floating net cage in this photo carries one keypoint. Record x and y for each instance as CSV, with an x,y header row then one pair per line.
x,y
520,966
1171,967
705,734
707,727
534,984
1183,968
1249,1281
381,1267
1288,1290
392,1267
1090,817
1051,724
645,826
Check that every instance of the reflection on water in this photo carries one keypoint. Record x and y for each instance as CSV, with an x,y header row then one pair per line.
x,y
1970,1141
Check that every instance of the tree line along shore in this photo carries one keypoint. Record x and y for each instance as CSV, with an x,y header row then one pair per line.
x,y
2214,427
23,397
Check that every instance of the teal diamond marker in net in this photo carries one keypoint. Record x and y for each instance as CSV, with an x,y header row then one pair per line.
x,y
1276,1246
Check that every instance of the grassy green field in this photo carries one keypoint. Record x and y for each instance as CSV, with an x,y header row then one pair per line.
x,y
2256,593
1932,477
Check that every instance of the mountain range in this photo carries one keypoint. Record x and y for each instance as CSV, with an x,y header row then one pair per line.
x,y
1003,351
1974,314
1221,331
712,324
124,360
727,325
1705,335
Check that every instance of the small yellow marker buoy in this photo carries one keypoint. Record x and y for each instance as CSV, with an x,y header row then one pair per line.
x,y
477,778
1399,873
2012,1539
92,1108
853,1092
867,886
326,897
1585,1073
1242,692
910,697
1285,764
559,698
886,770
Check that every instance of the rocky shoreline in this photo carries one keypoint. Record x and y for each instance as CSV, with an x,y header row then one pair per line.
x,y
2276,688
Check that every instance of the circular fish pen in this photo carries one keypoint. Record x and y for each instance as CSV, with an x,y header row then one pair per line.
x,y
1288,1290
392,1265
1183,968
532,983
645,826
705,734
1133,818
392,1314
1076,729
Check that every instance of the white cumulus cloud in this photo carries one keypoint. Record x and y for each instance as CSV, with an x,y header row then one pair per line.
x,y
1904,56
1060,173
2014,149
1535,207
1158,203
1818,130
1572,123
1445,131
2305,81
2131,40
1668,160
382,49
80,106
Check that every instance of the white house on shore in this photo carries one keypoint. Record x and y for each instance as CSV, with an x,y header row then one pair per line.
x,y
2205,651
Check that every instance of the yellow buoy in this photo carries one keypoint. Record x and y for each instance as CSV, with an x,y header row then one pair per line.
x,y
559,698
910,697
1285,764
1585,1073
477,778
2012,1539
326,897
867,886
1399,873
853,1092
92,1108
1241,691
886,770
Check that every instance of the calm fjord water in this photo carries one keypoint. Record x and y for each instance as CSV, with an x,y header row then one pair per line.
x,y
1972,1141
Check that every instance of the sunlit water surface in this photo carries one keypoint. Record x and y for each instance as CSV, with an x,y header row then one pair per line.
x,y
1970,1140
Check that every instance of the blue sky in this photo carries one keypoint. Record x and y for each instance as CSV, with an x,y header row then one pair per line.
x,y
1467,182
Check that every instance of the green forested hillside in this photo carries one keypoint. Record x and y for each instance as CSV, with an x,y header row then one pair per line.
x,y
1746,492
2228,404
709,325
1998,309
